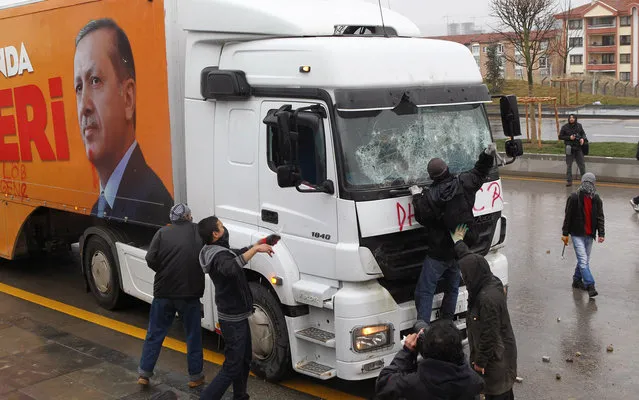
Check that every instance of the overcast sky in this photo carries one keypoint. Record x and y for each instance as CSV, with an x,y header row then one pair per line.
x,y
431,15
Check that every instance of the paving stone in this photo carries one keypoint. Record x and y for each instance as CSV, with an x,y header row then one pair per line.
x,y
65,388
14,340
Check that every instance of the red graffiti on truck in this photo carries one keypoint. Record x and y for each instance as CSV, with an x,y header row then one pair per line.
x,y
404,218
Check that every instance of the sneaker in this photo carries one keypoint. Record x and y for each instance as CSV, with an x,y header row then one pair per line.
x,y
196,383
634,205
568,184
578,284
143,381
592,292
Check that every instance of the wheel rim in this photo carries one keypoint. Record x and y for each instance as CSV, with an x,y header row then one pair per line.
x,y
262,334
101,272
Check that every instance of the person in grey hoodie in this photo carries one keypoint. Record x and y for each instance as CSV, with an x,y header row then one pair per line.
x,y
234,304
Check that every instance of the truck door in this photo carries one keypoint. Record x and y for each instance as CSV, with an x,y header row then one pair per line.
x,y
307,222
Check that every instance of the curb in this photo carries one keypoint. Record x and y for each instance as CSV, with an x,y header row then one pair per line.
x,y
607,169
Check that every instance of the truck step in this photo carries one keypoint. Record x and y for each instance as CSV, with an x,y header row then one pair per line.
x,y
316,370
316,335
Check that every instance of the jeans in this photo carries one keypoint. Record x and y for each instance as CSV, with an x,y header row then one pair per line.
x,y
583,246
577,155
237,362
160,320
432,271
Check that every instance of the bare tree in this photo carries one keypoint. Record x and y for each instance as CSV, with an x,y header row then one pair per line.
x,y
562,44
527,25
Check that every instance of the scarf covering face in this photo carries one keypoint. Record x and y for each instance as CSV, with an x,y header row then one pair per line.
x,y
588,184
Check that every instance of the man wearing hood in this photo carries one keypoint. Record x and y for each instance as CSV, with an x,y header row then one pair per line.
x,y
583,220
442,374
448,202
178,286
234,303
574,137
493,350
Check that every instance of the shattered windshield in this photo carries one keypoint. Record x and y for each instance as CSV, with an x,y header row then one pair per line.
x,y
383,149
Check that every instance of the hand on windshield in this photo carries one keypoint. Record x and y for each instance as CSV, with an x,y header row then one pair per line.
x,y
415,190
491,149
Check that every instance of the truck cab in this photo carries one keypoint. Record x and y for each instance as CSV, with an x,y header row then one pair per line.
x,y
313,124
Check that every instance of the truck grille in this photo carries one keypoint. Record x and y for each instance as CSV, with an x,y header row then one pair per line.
x,y
401,255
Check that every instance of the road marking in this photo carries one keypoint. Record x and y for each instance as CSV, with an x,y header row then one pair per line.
x,y
604,184
298,385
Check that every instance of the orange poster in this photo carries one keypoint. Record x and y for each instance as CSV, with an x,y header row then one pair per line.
x,y
84,116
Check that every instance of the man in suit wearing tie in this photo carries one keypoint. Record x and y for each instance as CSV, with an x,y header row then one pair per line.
x,y
105,87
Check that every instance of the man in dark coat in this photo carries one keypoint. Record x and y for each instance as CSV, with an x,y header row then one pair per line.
x,y
583,220
493,350
442,374
177,287
234,303
574,137
448,201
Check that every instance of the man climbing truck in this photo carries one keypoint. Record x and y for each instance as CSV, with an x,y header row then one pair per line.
x,y
277,117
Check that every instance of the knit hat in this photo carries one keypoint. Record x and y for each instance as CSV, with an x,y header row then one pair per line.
x,y
437,168
589,177
180,212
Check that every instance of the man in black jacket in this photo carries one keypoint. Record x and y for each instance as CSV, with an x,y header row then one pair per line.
x,y
493,349
234,304
583,220
177,287
442,374
449,201
574,137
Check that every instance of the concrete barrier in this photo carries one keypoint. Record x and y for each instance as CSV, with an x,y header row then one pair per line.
x,y
607,169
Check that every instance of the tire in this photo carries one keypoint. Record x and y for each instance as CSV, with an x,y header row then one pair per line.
x,y
269,336
102,273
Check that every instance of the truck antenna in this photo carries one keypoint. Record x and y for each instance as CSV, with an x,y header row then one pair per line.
x,y
381,12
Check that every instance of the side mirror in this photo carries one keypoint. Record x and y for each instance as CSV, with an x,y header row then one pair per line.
x,y
288,176
510,115
514,148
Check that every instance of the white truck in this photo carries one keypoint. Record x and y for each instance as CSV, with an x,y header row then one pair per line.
x,y
309,120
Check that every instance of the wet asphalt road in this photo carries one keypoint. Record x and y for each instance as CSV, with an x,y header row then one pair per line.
x,y
540,292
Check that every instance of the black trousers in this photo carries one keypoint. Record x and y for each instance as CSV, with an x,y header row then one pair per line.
x,y
578,156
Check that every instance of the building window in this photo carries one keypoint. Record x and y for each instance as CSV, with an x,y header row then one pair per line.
x,y
543,62
577,60
601,22
624,58
624,76
625,20
575,42
519,73
475,49
606,41
500,48
607,58
575,24
624,40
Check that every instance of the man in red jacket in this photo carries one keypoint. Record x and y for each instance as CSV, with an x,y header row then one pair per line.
x,y
584,219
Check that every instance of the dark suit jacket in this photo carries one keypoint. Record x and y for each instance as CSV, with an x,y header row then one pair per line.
x,y
141,196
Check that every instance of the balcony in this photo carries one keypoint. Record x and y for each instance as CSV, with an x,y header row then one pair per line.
x,y
598,48
601,67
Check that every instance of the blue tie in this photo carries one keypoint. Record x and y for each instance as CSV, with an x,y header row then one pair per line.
x,y
104,209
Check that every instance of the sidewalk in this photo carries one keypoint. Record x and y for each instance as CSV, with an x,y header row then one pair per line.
x,y
47,355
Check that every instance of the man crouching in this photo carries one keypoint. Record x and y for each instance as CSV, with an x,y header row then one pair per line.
x,y
442,374
234,304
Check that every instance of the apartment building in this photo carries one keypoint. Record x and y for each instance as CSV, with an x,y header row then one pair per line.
x,y
602,39
478,45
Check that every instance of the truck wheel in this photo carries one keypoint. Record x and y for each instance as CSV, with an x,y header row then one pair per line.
x,y
102,274
269,336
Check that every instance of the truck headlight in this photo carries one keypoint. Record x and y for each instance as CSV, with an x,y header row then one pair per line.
x,y
367,338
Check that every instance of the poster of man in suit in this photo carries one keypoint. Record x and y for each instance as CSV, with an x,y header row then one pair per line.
x,y
105,89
